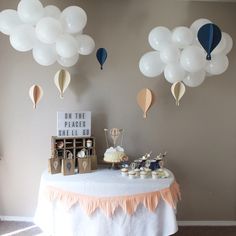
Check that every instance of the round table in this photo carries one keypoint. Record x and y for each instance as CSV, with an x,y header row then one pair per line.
x,y
104,203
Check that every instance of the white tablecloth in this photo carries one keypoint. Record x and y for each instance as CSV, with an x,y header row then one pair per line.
x,y
55,219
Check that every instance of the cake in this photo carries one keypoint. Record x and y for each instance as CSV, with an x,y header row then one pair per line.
x,y
114,155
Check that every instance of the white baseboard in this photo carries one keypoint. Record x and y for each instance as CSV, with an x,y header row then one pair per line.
x,y
207,223
16,218
180,223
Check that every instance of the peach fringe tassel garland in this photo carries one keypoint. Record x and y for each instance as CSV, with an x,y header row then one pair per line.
x,y
108,205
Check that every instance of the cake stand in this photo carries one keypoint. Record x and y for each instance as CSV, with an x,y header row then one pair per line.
x,y
114,165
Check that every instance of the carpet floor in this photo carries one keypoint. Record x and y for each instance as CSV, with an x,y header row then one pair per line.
x,y
8,228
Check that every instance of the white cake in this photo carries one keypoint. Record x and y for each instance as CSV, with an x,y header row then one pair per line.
x,y
114,155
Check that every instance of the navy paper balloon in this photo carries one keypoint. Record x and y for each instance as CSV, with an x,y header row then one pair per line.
x,y
101,56
209,36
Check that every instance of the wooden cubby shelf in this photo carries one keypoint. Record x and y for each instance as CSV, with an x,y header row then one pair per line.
x,y
72,148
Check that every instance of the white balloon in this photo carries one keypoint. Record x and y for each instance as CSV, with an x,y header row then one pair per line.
x,y
9,20
48,29
229,43
74,19
52,11
68,62
174,73
182,36
170,53
208,74
30,11
66,46
151,65
217,65
159,37
79,33
193,59
196,25
195,79
23,38
44,54
85,44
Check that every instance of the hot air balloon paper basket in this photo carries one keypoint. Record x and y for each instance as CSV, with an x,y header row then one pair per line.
x,y
72,155
54,165
68,166
84,165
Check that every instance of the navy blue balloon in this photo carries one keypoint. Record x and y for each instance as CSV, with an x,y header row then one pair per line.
x,y
101,56
209,36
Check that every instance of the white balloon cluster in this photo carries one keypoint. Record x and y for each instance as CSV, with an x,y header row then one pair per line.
x,y
181,57
52,35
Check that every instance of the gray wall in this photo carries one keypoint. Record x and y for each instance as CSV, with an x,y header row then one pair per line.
x,y
200,135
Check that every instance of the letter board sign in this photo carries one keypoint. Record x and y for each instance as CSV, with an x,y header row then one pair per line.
x,y
74,124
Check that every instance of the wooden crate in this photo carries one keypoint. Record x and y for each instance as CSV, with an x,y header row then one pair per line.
x,y
72,147
94,162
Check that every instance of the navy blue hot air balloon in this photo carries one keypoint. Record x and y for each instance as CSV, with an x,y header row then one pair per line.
x,y
101,56
209,36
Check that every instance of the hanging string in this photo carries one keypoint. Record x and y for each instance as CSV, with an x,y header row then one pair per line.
x,y
122,136
105,130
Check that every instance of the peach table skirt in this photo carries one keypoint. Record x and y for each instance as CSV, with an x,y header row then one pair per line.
x,y
108,205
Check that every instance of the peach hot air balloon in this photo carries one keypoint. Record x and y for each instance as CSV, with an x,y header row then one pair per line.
x,y
178,91
62,81
35,93
144,100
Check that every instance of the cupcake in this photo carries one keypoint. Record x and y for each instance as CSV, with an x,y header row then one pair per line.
x,y
132,174
149,171
162,173
154,174
143,174
124,171
137,172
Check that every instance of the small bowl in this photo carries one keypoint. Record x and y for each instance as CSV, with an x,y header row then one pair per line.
x,y
60,144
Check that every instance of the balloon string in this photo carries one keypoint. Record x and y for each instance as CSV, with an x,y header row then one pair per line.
x,y
106,138
122,136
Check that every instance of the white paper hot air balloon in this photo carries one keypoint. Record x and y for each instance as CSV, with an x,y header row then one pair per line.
x,y
178,91
62,81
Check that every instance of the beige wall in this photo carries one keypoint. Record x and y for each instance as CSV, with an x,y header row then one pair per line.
x,y
200,135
